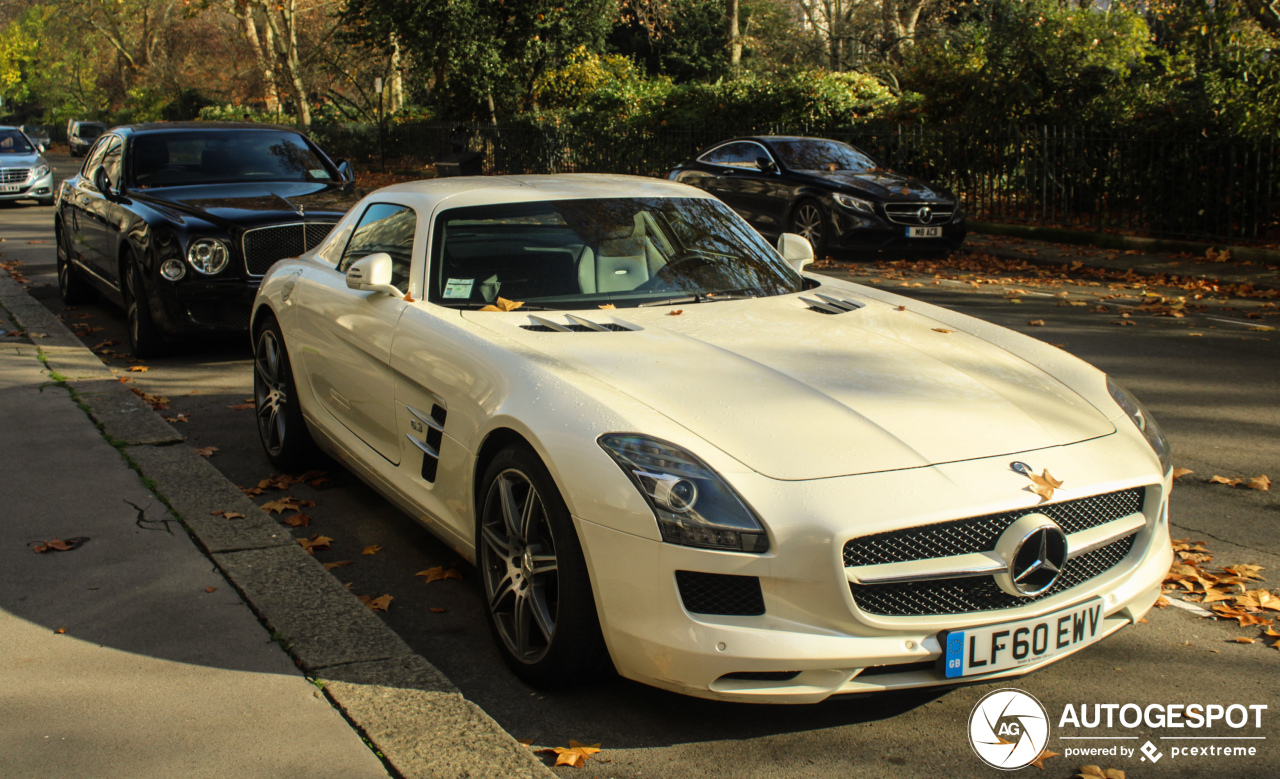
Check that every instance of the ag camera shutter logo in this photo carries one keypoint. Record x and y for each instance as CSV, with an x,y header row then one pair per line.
x,y
1008,729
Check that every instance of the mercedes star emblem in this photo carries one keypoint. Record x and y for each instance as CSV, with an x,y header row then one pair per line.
x,y
1034,550
925,215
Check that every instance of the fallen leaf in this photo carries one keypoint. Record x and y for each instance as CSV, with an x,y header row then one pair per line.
x,y
217,513
1161,602
372,549
1090,771
439,573
242,407
1259,483
408,298
60,631
608,306
206,451
1224,480
233,515
502,304
1044,755
56,545
1036,323
576,755
177,418
1178,473
298,520
436,610
677,312
338,564
314,543
284,504
1243,640
381,603
210,589
942,330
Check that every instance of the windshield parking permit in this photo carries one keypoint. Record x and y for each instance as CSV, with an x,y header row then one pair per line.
x,y
458,288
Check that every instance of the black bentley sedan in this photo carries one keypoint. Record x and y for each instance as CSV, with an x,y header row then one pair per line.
x,y
831,193
178,222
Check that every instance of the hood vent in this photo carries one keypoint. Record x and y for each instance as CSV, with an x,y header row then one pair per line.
x,y
575,324
829,305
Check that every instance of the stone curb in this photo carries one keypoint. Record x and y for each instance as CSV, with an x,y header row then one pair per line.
x,y
414,716
1252,254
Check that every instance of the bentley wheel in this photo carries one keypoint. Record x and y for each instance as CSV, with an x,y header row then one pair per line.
x,y
281,428
74,289
144,334
809,222
535,577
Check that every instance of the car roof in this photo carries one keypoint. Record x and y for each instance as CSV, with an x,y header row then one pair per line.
x,y
463,191
163,127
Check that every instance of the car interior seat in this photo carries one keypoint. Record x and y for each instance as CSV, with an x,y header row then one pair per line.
x,y
621,260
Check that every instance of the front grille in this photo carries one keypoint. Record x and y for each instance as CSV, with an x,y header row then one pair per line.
x,y
14,175
964,596
578,328
909,213
979,534
716,593
212,312
264,246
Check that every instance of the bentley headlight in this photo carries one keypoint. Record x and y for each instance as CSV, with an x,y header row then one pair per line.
x,y
208,255
1142,418
856,204
693,504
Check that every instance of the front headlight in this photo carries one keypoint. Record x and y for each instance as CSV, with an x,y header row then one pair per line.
x,y
40,171
693,504
1143,420
856,204
208,255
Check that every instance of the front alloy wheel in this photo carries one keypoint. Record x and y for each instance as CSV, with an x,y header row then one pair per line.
x,y
809,222
281,429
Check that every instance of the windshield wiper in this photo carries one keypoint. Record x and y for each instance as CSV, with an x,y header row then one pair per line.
x,y
699,298
476,306
704,297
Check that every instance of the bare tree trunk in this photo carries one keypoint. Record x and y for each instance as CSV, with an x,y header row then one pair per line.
x,y
249,29
397,79
900,17
731,33
284,34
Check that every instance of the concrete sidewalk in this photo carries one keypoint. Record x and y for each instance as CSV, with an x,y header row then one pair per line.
x,y
162,671
195,645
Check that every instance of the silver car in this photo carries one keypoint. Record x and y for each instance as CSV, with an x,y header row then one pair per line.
x,y
24,174
37,134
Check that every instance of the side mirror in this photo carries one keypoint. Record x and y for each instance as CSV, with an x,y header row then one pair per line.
x,y
796,250
102,181
345,172
765,164
372,274
39,148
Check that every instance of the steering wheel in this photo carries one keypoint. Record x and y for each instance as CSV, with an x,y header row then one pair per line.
x,y
680,259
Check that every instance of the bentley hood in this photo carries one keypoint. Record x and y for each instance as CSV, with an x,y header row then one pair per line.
x,y
797,394
244,204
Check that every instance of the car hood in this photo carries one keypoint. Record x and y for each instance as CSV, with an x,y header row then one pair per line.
x,y
881,183
797,394
21,160
242,204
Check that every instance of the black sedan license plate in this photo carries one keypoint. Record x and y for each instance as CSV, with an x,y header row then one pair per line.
x,y
1010,644
924,232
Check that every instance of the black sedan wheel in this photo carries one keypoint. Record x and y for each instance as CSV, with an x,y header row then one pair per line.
x,y
74,289
535,577
809,221
144,334
281,428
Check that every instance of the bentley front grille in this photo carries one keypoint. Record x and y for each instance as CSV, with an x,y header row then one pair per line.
x,y
264,246
14,175
967,595
917,214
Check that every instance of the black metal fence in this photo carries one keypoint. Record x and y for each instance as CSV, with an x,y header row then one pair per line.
x,y
1202,187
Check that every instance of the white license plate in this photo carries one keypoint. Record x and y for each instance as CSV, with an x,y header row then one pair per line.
x,y
1010,644
10,187
924,232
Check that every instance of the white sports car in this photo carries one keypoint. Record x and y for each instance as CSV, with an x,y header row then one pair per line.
x,y
666,445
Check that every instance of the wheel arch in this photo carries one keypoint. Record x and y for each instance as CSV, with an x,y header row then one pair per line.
x,y
495,441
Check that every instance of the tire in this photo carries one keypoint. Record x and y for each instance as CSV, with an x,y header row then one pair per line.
x,y
281,428
74,289
541,608
808,220
144,335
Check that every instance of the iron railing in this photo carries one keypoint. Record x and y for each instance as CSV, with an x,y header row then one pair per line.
x,y
1200,187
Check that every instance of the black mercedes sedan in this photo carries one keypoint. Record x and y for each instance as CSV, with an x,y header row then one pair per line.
x,y
831,193
178,222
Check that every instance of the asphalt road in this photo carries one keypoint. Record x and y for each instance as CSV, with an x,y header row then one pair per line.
x,y
1215,393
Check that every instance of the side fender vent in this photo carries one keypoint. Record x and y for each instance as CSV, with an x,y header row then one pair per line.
x,y
825,304
573,324
433,426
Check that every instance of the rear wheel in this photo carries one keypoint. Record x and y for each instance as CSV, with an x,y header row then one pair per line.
x,y
809,221
144,334
75,290
281,428
535,576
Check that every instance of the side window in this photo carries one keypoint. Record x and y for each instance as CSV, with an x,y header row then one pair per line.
x,y
93,159
735,155
111,161
384,228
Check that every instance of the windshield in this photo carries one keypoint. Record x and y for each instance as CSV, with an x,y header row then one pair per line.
x,y
89,131
570,254
820,155
14,142
223,156
33,130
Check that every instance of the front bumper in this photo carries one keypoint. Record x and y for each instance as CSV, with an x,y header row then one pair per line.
x,y
38,189
811,623
192,306
866,232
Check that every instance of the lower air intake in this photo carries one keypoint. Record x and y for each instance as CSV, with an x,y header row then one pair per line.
x,y
721,594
